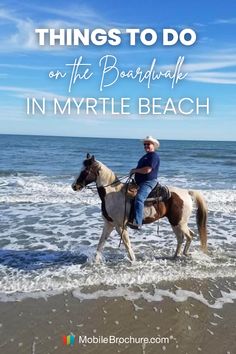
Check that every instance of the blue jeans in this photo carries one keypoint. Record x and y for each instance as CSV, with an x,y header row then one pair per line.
x,y
144,189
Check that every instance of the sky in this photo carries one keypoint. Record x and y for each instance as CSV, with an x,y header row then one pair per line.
x,y
209,65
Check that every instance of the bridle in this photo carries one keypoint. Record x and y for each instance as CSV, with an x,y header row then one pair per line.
x,y
88,170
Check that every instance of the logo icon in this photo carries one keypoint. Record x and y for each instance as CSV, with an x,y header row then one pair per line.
x,y
68,340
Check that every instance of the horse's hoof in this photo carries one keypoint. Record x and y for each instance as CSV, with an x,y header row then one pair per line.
x,y
98,259
131,260
132,257
187,254
176,257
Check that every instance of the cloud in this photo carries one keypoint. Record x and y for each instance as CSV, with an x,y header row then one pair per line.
x,y
7,15
208,65
227,21
21,35
82,15
214,77
22,92
215,68
25,67
22,38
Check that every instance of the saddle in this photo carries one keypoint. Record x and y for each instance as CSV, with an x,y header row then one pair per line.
x,y
159,193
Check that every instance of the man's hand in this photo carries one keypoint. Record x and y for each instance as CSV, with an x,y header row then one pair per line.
x,y
132,172
142,170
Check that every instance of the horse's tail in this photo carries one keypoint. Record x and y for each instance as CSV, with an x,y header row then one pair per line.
x,y
201,217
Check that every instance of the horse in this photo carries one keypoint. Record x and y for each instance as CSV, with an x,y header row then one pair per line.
x,y
116,208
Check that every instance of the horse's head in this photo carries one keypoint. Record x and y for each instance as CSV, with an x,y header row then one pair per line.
x,y
88,174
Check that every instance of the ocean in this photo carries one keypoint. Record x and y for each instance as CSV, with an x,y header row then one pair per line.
x,y
49,233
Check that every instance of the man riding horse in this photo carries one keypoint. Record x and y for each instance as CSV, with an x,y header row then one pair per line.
x,y
116,208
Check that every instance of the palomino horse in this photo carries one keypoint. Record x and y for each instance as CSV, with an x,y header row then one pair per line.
x,y
116,209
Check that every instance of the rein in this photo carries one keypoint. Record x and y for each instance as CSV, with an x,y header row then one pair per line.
x,y
118,180
126,189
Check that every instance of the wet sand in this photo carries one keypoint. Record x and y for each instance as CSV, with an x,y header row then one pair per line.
x,y
37,325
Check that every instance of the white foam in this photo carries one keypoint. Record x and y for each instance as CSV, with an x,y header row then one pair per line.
x,y
221,200
39,189
49,274
159,294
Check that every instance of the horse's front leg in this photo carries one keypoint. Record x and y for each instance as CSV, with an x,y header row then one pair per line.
x,y
125,238
107,229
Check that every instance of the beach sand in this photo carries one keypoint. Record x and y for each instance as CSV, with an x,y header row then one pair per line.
x,y
38,325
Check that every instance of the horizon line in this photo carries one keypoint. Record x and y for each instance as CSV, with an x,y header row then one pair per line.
x,y
106,137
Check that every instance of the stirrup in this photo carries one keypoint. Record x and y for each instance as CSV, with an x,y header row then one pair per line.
x,y
134,226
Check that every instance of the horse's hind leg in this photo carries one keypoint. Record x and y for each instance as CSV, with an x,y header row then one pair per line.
x,y
189,236
125,238
180,239
107,229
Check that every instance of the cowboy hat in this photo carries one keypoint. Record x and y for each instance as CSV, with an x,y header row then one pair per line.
x,y
152,140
